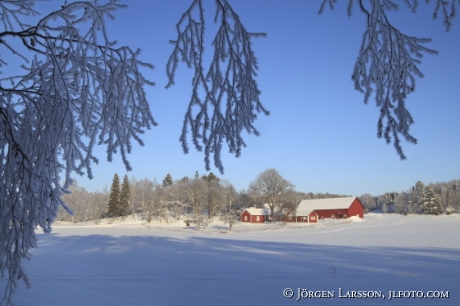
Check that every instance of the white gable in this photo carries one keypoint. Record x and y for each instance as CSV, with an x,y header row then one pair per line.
x,y
307,206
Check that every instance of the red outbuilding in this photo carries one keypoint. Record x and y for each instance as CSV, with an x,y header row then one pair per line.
x,y
335,208
304,217
253,215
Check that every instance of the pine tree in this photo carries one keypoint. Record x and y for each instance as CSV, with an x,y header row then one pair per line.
x,y
430,202
125,193
114,198
210,177
167,181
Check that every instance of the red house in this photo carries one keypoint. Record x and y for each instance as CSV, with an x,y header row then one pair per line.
x,y
253,215
335,208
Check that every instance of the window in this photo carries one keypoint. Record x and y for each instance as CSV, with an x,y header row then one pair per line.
x,y
313,218
245,218
257,218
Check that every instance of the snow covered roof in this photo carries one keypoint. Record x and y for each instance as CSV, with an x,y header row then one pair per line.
x,y
256,211
306,206
264,211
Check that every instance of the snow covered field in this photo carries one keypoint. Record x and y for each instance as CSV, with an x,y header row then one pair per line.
x,y
128,263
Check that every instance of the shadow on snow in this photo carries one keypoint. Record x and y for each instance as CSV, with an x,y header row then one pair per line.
x,y
135,270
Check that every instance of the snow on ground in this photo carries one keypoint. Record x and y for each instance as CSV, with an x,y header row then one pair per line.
x,y
135,263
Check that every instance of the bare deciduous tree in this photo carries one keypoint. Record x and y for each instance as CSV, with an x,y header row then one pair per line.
x,y
243,199
160,203
289,200
145,191
178,196
86,206
197,195
213,188
134,197
79,201
368,201
98,205
401,203
228,196
269,186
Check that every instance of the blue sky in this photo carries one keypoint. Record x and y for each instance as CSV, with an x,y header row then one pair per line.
x,y
320,136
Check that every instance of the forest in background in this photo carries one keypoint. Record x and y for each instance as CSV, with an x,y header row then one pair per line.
x,y
208,197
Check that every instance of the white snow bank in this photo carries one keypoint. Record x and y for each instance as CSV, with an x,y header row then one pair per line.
x,y
356,219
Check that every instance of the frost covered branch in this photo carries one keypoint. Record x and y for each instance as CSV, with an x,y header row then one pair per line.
x,y
225,101
448,9
77,91
387,64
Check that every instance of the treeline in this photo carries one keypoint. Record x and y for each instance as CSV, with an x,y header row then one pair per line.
x,y
86,206
434,198
199,198
202,198
206,196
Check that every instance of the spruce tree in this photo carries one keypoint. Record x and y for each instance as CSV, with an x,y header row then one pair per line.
x,y
114,198
430,202
125,193
210,177
167,181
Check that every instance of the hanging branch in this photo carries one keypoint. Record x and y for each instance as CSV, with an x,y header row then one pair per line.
x,y
230,100
387,64
189,47
448,9
77,91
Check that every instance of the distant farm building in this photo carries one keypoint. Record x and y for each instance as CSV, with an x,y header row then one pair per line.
x,y
311,217
309,211
253,215
334,208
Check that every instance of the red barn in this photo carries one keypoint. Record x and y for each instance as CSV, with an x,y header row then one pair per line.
x,y
253,215
335,208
